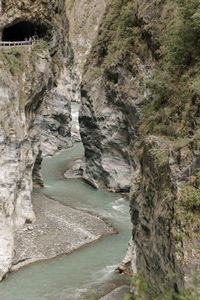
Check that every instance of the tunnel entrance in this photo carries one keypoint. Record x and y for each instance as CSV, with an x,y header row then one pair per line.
x,y
19,32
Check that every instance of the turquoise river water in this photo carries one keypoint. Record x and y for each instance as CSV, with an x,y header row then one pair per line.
x,y
68,276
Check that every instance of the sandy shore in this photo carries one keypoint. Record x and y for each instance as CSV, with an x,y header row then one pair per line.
x,y
58,229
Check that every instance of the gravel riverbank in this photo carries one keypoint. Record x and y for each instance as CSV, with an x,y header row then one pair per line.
x,y
59,229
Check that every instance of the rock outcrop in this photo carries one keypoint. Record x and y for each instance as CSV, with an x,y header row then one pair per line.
x,y
35,115
165,232
105,120
84,18
110,113
140,130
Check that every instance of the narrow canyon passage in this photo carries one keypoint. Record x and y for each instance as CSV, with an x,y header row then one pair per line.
x,y
70,276
135,68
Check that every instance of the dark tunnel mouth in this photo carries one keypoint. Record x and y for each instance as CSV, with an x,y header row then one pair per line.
x,y
22,31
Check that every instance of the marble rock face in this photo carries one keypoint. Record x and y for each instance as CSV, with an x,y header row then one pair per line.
x,y
35,112
121,156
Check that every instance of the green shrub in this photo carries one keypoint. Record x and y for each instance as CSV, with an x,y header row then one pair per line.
x,y
161,156
174,85
117,36
42,45
190,197
187,207
181,41
142,290
13,59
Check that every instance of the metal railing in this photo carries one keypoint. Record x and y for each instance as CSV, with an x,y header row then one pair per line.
x,y
20,43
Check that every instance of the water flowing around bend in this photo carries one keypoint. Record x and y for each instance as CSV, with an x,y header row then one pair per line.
x,y
67,276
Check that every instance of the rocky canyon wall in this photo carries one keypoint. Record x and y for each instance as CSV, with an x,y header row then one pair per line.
x,y
140,130
139,118
38,82
35,112
84,18
111,104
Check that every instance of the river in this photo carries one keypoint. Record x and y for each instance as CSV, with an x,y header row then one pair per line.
x,y
69,276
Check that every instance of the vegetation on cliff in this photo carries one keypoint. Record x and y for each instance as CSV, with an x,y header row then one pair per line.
x,y
118,37
142,290
174,108
15,59
166,34
174,84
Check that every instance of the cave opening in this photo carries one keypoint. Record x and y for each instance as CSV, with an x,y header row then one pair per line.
x,y
22,31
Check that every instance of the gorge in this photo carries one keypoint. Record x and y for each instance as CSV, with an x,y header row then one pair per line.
x,y
134,68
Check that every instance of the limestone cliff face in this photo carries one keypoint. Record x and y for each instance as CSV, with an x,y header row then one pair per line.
x,y
121,152
109,119
35,114
110,112
165,232
84,18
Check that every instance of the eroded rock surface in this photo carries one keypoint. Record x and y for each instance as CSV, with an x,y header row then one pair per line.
x,y
37,85
121,154
35,115
109,120
84,18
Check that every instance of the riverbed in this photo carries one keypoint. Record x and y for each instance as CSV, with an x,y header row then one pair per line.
x,y
88,269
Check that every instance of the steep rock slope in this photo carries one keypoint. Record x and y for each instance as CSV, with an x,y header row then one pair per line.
x,y
84,18
111,101
30,116
108,126
139,119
